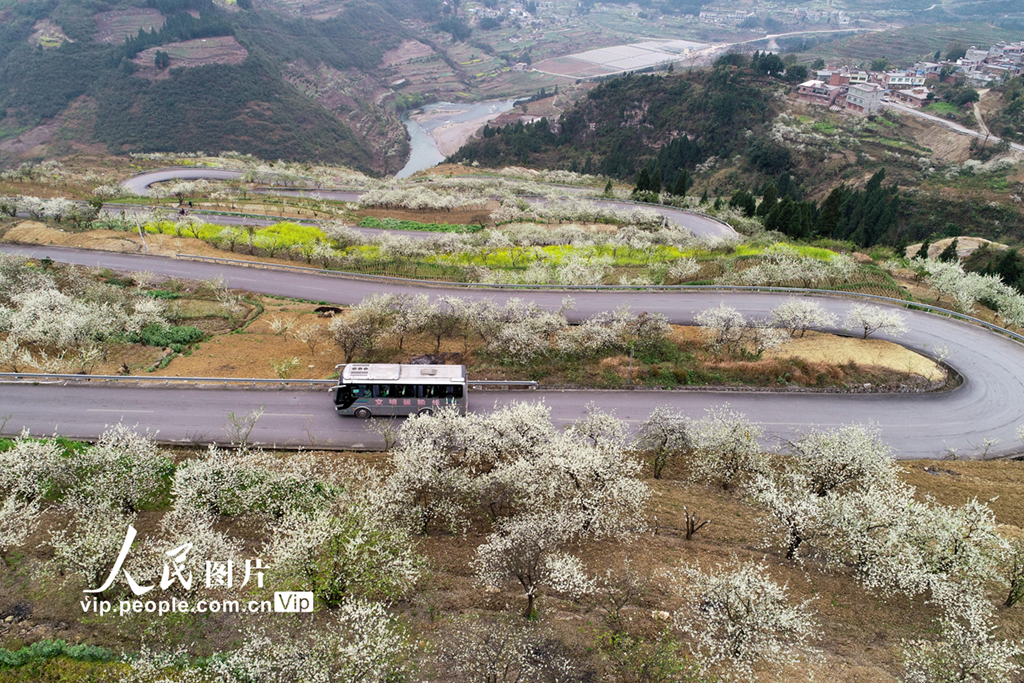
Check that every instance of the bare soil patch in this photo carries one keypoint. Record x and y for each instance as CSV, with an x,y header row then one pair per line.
x,y
31,232
252,351
47,34
40,135
114,27
947,147
191,53
407,51
965,246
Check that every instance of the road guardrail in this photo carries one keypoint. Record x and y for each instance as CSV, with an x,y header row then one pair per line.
x,y
48,376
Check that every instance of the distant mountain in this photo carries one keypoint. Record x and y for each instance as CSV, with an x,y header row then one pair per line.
x,y
189,75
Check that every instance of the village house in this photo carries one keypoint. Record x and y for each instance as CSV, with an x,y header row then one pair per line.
x,y
865,98
901,80
914,97
817,92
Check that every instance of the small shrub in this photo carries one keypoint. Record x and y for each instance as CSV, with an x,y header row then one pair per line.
x,y
176,337
50,649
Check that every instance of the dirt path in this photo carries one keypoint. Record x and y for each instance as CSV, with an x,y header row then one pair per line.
x,y
981,120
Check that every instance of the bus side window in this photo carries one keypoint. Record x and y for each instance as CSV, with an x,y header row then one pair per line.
x,y
406,391
382,390
457,391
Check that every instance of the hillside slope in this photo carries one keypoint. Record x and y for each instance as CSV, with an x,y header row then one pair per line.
x,y
679,120
138,76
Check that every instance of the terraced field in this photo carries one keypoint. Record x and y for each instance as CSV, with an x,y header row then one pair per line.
x,y
906,45
192,53
114,27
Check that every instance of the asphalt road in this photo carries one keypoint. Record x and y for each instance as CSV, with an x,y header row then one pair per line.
x,y
695,223
988,405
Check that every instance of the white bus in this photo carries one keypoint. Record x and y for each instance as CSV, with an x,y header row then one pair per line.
x,y
387,389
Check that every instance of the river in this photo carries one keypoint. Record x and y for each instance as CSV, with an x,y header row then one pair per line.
x,y
445,123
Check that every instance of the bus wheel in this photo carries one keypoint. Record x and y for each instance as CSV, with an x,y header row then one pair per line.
x,y
362,413
426,411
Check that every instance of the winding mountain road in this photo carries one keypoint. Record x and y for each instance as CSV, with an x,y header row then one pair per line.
x,y
983,412
696,223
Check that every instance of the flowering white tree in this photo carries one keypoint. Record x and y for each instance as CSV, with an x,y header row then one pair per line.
x,y
741,617
124,468
527,550
783,265
870,533
873,319
312,335
665,435
683,269
727,448
578,270
252,482
726,329
359,641
89,544
33,468
18,519
797,315
967,649
338,552
513,461
847,458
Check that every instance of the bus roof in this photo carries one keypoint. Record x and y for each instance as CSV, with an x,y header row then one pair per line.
x,y
393,372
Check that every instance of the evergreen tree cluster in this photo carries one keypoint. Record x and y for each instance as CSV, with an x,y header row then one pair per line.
x,y
456,27
861,216
519,139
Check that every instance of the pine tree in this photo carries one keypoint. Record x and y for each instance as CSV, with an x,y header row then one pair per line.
x,y
768,200
643,182
949,254
608,189
704,197
1010,267
656,182
683,183
831,211
786,187
922,253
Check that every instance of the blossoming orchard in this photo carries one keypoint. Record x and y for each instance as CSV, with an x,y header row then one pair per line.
x,y
510,540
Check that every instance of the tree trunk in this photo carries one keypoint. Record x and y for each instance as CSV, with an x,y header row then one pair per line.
x,y
530,598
